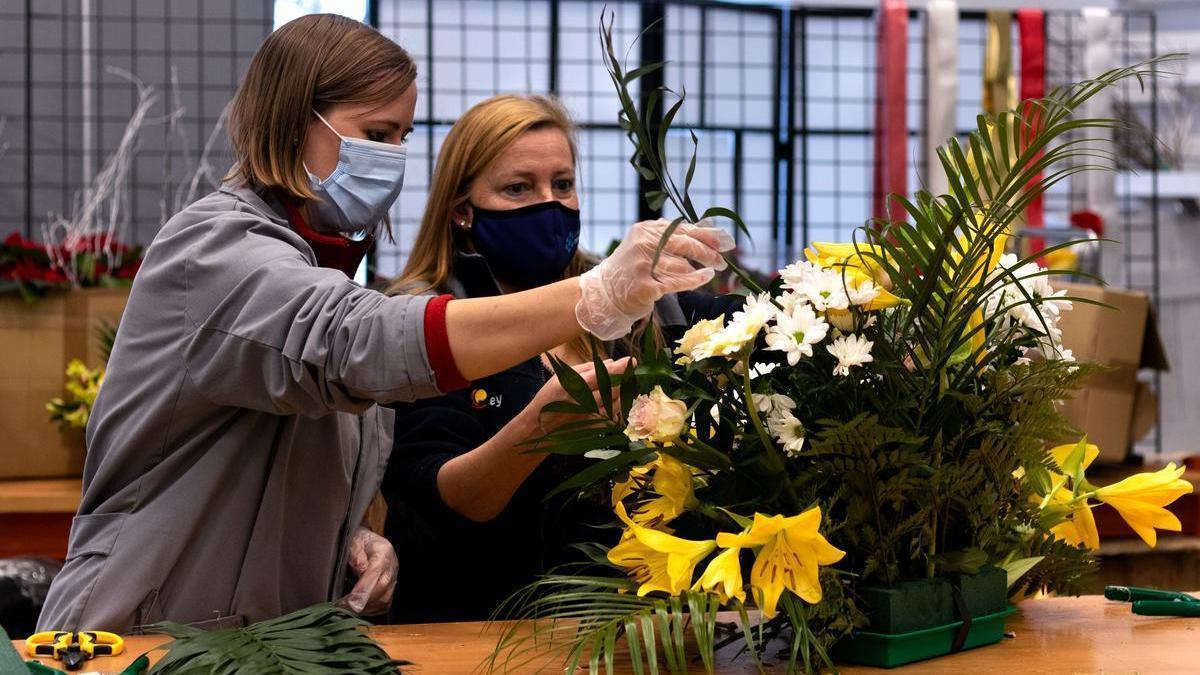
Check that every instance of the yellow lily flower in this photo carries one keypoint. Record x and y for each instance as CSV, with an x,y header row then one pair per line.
x,y
791,554
857,279
1080,528
723,576
657,560
667,477
850,256
1061,453
1140,500
982,270
1062,259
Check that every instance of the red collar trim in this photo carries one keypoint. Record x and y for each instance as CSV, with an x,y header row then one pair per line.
x,y
296,218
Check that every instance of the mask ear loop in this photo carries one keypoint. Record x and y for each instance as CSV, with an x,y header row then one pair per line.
x,y
326,123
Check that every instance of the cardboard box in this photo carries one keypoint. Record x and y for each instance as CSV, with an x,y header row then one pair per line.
x,y
36,343
1125,340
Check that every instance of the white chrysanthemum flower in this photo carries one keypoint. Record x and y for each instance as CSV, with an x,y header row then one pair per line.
x,y
761,369
788,430
850,351
1040,316
769,404
695,336
866,291
824,288
795,332
796,273
732,339
758,309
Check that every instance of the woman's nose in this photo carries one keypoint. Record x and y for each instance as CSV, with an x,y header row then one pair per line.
x,y
545,193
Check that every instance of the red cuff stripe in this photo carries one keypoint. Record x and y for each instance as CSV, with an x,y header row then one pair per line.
x,y
437,346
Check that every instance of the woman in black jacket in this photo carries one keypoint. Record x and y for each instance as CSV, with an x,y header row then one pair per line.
x,y
466,502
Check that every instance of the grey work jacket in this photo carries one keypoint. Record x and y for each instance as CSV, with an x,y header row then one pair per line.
x,y
235,443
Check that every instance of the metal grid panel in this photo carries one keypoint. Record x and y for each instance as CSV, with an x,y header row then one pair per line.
x,y
58,137
835,101
1136,226
1134,261
534,46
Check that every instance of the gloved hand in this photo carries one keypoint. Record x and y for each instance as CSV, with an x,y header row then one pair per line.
x,y
374,560
623,288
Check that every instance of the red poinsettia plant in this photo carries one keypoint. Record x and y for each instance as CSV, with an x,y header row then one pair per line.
x,y
32,268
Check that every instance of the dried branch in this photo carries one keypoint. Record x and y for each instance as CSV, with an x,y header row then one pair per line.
x,y
101,207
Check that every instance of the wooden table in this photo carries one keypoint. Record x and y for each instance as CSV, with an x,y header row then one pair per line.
x,y
35,516
1052,636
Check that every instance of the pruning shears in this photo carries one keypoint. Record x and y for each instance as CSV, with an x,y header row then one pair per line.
x,y
138,667
73,648
1154,602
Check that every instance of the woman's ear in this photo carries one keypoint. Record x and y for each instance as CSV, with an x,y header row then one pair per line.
x,y
462,216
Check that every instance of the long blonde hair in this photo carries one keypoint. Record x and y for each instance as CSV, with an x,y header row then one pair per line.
x,y
482,134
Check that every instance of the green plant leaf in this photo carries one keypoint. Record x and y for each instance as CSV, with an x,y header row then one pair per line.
x,y
1018,568
319,639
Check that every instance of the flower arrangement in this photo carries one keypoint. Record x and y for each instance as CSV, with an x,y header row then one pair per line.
x,y
880,412
33,268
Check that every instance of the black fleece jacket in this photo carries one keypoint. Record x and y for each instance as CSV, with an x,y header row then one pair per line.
x,y
451,568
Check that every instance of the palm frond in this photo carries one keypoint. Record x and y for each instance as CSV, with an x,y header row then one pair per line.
x,y
322,639
106,336
939,259
649,157
596,622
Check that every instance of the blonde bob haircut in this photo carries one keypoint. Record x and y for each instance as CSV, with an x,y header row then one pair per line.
x,y
311,63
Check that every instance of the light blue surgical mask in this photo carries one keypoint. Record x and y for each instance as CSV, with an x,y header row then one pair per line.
x,y
356,196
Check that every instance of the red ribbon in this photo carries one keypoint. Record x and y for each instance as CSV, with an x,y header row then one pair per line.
x,y
1032,26
891,123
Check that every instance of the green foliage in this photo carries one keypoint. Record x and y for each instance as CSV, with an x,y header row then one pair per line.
x,y
650,145
106,336
322,639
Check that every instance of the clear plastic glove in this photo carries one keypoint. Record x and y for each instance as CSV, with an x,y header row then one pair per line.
x,y
623,288
374,561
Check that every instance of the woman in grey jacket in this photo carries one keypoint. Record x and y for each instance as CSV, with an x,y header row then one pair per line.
x,y
236,441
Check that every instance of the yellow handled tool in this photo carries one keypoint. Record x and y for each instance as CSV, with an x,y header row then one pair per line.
x,y
74,648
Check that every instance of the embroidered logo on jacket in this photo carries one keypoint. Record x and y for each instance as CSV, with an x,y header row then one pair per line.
x,y
480,399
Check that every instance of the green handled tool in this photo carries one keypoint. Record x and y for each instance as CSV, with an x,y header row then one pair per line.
x,y
1166,608
1135,594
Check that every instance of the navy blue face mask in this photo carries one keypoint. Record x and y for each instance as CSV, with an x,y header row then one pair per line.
x,y
527,247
